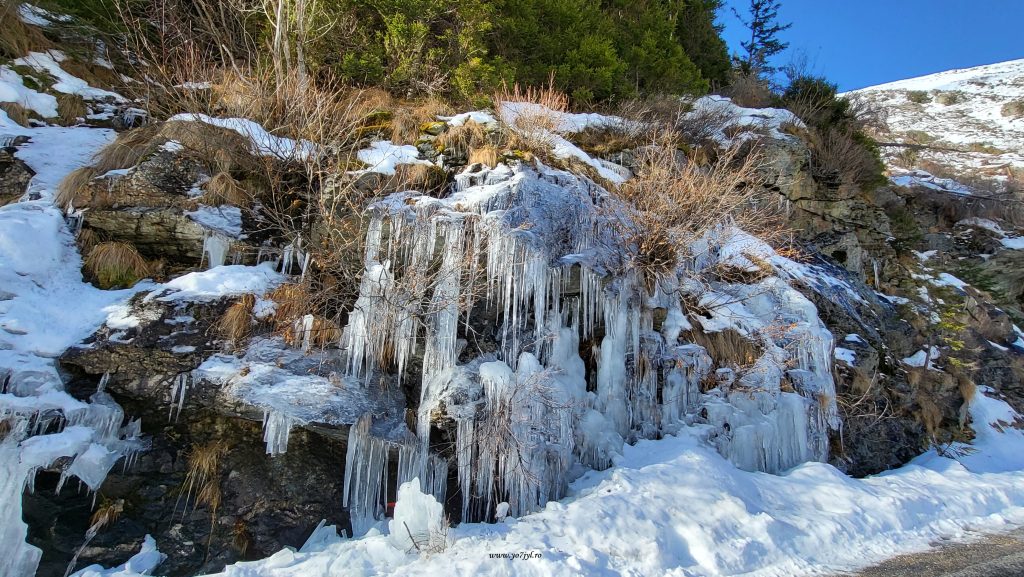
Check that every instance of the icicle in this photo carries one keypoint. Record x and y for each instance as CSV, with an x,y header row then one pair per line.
x,y
181,384
277,427
103,382
366,470
215,249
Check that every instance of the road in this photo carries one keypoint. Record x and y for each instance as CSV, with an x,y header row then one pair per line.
x,y
991,556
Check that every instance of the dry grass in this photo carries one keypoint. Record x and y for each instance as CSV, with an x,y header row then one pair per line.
x,y
1013,109
235,326
224,189
749,91
428,179
535,114
16,112
108,512
115,264
291,300
677,202
460,140
87,240
16,37
322,333
221,148
406,121
837,159
486,155
72,191
605,140
70,108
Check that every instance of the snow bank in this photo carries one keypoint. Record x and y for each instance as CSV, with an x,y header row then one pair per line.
x,y
383,157
49,63
13,89
263,142
219,282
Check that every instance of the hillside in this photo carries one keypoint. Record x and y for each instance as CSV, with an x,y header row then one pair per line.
x,y
258,323
967,124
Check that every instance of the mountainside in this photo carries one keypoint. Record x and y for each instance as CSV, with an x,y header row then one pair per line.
x,y
967,124
280,328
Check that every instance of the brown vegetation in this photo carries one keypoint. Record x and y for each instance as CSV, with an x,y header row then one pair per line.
x,y
115,265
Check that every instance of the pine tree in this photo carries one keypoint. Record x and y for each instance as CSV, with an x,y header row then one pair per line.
x,y
764,42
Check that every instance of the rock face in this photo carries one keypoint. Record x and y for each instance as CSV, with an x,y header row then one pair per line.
x,y
14,176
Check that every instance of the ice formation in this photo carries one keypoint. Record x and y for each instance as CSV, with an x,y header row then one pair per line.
x,y
533,248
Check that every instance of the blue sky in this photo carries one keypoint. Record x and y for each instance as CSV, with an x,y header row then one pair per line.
x,y
858,43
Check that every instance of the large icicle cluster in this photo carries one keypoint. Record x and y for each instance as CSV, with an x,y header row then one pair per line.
x,y
534,248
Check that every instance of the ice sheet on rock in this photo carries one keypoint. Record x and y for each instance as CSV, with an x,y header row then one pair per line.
x,y
226,219
290,386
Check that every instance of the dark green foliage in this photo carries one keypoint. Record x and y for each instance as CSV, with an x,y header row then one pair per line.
x,y
764,36
701,39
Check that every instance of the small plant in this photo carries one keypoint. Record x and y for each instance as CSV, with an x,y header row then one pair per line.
x,y
202,480
919,97
115,265
949,97
457,141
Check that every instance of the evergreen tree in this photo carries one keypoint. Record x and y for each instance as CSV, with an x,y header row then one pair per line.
x,y
701,39
764,41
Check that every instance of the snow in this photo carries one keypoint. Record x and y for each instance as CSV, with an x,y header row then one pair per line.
x,y
383,157
1010,242
759,121
218,282
478,116
909,178
40,272
848,356
13,89
49,63
917,359
142,563
263,142
676,507
418,520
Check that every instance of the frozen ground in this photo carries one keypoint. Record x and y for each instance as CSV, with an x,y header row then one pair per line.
x,y
676,507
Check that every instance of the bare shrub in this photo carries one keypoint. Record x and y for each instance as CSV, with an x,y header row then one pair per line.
x,y
699,126
677,202
115,264
750,91
837,158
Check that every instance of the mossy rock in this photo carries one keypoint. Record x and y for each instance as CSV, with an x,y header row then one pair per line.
x,y
434,128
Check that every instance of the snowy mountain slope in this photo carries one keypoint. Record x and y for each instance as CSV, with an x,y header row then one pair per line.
x,y
969,120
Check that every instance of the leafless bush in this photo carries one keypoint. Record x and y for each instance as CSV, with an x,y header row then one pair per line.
x,y
837,159
533,115
750,91
677,201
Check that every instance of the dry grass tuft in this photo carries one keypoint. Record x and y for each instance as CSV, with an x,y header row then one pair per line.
x,y
16,37
17,113
486,155
70,108
459,140
108,512
291,301
428,179
72,191
406,121
224,189
678,202
115,265
127,150
87,240
235,326
322,332
534,114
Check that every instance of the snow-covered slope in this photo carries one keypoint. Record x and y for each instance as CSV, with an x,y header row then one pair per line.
x,y
971,120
